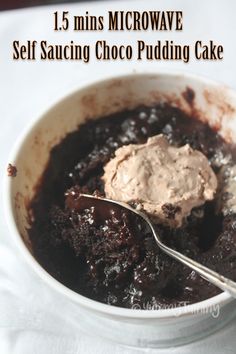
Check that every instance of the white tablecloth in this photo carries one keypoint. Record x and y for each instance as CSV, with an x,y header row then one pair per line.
x,y
29,320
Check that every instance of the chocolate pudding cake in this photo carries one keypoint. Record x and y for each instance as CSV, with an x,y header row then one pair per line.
x,y
173,167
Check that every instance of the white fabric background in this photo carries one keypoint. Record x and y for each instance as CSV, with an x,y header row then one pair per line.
x,y
26,88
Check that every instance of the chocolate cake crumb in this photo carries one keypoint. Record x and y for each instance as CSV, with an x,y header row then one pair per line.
x,y
170,210
189,95
11,170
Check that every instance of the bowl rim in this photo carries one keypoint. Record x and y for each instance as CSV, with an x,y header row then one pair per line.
x,y
89,304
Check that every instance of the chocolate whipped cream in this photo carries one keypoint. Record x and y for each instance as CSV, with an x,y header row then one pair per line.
x,y
165,181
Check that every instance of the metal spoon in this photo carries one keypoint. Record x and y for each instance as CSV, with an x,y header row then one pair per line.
x,y
215,278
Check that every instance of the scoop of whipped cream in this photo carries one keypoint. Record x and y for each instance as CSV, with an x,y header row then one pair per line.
x,y
165,181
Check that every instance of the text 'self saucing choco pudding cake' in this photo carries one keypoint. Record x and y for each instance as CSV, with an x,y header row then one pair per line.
x,y
176,169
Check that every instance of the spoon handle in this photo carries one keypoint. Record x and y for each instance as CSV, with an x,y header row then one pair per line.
x,y
213,277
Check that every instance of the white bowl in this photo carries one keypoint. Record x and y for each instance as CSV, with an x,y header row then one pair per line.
x,y
136,327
